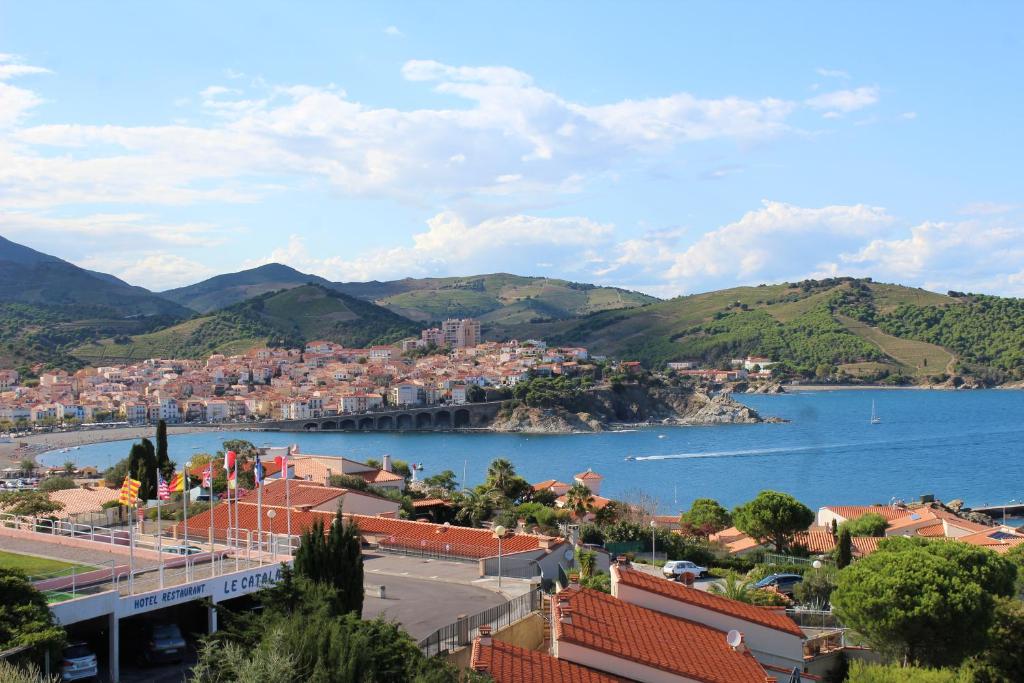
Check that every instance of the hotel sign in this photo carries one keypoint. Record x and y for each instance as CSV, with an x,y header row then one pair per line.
x,y
217,588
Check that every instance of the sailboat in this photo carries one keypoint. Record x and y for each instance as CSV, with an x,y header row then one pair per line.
x,y
874,416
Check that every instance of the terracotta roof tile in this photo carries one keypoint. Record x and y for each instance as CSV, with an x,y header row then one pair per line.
x,y
602,623
864,545
765,616
459,540
852,512
815,541
507,663
79,500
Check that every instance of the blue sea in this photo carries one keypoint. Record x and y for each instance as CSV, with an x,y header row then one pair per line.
x,y
966,445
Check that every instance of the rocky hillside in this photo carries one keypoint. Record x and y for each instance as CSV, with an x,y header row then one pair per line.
x,y
606,408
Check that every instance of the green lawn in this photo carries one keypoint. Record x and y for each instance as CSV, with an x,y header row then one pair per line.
x,y
39,566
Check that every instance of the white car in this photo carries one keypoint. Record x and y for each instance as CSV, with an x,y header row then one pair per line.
x,y
677,569
79,662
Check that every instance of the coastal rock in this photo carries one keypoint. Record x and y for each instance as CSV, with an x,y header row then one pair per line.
x,y
634,404
765,388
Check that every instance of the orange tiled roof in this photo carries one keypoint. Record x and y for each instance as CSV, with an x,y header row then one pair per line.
x,y
461,540
602,623
765,616
933,530
815,541
507,663
589,474
78,501
994,538
864,545
299,494
852,512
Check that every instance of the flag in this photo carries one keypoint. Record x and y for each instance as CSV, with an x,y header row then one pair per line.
x,y
129,491
207,476
282,462
162,492
229,460
177,483
257,472
231,480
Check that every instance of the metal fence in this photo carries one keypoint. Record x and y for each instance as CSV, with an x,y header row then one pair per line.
x,y
776,558
438,550
463,631
812,618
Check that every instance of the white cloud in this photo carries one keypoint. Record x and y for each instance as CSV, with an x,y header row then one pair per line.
x,y
15,103
154,270
393,31
119,231
908,115
987,208
452,245
845,101
512,129
832,73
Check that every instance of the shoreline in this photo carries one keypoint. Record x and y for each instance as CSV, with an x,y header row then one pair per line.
x,y
38,444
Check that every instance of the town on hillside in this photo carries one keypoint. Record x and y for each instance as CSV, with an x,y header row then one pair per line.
x,y
446,365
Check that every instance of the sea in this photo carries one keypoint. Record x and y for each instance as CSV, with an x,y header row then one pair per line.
x,y
952,445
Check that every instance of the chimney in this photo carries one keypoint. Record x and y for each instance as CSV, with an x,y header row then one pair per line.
x,y
521,526
565,613
574,578
386,463
485,634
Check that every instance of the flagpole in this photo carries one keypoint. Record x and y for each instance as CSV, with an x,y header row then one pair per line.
x,y
184,503
227,490
288,500
259,509
237,523
213,564
160,537
131,553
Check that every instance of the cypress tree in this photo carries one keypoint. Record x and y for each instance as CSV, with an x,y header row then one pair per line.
x,y
844,549
163,460
335,559
142,465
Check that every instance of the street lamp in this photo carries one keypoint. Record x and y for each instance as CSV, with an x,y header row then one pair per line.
x,y
270,515
499,532
654,526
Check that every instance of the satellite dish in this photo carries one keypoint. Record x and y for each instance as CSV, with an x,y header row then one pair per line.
x,y
734,638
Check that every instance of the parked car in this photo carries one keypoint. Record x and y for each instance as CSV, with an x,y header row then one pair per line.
x,y
163,643
79,663
784,583
183,550
677,569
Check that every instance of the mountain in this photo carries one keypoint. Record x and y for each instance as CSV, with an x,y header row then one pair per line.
x,y
857,327
289,317
494,298
222,291
48,305
31,277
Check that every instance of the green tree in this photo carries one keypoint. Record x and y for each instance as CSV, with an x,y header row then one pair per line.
x,y
27,466
844,549
773,517
587,559
579,500
1003,658
993,572
475,393
28,503
163,460
142,465
69,469
335,559
56,484
915,606
445,481
473,507
705,517
25,618
870,524
816,588
862,672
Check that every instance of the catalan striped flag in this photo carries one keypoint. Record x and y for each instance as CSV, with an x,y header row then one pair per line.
x,y
129,491
177,484
162,492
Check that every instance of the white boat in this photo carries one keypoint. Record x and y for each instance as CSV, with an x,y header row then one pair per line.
x,y
874,416
630,458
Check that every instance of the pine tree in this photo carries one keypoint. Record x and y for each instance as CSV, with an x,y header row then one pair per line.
x,y
844,549
335,559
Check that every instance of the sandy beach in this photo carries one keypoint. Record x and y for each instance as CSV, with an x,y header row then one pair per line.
x,y
36,444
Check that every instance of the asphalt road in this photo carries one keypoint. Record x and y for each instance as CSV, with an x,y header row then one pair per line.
x,y
423,606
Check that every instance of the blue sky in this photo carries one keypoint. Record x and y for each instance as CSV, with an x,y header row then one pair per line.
x,y
667,147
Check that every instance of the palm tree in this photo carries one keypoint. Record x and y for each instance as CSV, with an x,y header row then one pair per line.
x,y
69,468
734,587
579,500
28,466
587,560
473,507
500,475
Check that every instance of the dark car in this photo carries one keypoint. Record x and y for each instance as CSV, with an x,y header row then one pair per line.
x,y
163,643
784,583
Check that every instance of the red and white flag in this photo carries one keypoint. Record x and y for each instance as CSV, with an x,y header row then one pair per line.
x,y
162,492
208,476
282,462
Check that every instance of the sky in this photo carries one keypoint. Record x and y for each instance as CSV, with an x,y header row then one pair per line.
x,y
667,147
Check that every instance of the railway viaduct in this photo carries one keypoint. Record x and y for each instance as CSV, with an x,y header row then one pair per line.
x,y
424,419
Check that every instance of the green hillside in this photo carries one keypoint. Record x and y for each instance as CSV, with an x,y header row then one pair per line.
x,y
867,329
498,298
290,317
226,290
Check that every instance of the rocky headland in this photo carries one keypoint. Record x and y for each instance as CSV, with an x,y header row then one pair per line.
x,y
626,406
